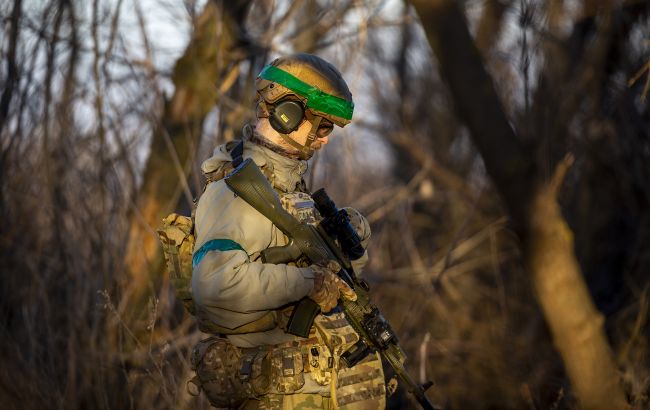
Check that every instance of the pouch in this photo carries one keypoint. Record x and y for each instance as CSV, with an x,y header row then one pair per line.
x,y
287,369
217,364
255,372
321,364
177,238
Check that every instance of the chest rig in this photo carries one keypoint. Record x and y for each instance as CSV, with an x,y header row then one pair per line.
x,y
301,206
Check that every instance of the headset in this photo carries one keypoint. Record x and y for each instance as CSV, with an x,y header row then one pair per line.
x,y
286,116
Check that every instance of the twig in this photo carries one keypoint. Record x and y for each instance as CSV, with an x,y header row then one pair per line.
x,y
469,244
402,195
637,76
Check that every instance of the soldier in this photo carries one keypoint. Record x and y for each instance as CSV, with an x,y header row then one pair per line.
x,y
250,361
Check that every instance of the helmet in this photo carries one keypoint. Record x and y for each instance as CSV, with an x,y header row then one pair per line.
x,y
314,81
302,86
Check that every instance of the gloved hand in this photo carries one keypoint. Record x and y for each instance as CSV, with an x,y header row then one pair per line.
x,y
328,287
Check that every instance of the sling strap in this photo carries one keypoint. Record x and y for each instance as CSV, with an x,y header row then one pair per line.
x,y
237,154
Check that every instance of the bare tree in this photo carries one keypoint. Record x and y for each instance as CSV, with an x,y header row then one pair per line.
x,y
547,241
201,77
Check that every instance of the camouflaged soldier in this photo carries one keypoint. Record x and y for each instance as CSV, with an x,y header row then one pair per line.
x,y
251,362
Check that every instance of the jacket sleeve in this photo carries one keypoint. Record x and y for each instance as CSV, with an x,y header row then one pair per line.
x,y
229,279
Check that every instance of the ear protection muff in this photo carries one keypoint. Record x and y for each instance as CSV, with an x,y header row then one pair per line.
x,y
286,116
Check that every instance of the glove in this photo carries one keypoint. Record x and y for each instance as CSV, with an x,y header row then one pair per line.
x,y
328,287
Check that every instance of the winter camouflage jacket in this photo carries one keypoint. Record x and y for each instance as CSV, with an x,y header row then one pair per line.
x,y
232,287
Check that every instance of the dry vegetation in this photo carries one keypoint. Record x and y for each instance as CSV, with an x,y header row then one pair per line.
x,y
93,153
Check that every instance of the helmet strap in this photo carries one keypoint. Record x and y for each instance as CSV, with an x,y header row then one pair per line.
x,y
261,140
306,151
311,137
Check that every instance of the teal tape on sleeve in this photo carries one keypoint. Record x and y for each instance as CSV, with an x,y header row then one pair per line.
x,y
215,245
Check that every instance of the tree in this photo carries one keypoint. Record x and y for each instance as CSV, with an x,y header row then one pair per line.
x,y
531,200
206,71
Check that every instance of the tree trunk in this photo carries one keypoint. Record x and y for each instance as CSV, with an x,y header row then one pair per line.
x,y
574,321
200,77
575,324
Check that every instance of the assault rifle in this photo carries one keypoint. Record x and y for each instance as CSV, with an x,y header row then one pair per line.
x,y
318,244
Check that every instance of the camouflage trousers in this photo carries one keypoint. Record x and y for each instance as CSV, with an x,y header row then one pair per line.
x,y
303,374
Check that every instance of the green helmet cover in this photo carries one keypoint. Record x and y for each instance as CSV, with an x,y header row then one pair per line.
x,y
317,99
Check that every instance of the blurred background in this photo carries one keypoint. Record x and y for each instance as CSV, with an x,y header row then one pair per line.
x,y
463,110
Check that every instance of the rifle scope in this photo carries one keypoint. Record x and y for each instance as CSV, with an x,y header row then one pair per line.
x,y
336,223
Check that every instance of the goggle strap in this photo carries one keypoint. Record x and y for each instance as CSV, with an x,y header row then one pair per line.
x,y
312,133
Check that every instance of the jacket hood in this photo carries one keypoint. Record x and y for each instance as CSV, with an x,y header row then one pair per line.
x,y
287,172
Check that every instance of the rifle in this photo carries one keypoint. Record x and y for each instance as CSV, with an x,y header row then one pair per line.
x,y
318,245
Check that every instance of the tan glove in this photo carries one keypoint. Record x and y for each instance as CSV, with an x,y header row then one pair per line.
x,y
328,287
